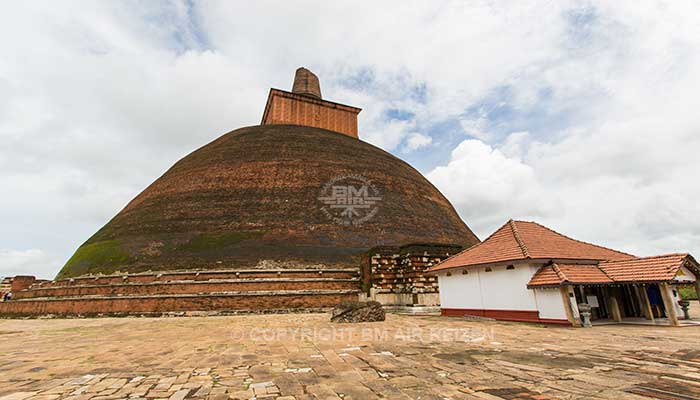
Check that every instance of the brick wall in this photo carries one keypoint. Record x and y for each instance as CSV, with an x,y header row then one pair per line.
x,y
163,304
294,109
21,282
208,291
396,275
164,288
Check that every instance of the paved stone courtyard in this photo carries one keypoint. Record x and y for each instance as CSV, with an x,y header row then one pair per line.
x,y
305,357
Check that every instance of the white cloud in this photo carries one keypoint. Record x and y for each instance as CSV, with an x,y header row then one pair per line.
x,y
23,262
516,144
487,187
416,141
476,128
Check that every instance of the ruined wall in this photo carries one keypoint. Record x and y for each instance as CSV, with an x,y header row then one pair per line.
x,y
396,275
171,303
205,291
165,288
21,282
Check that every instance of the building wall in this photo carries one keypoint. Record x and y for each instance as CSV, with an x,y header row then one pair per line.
x,y
460,291
501,293
500,289
550,304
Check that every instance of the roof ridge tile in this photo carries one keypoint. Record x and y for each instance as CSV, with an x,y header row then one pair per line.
x,y
560,274
518,239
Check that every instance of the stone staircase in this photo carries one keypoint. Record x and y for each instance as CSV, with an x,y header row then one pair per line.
x,y
219,292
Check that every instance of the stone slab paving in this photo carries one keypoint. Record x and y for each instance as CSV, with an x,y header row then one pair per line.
x,y
288,357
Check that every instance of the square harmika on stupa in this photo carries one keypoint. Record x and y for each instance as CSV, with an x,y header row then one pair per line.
x,y
300,192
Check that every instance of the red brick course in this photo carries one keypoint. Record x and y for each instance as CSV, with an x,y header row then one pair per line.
x,y
208,291
290,108
503,315
164,288
203,276
21,282
163,304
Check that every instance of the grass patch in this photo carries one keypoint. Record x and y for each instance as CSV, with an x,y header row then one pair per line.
x,y
95,255
214,242
688,293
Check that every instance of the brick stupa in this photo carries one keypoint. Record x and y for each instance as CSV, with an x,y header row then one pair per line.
x,y
250,199
294,214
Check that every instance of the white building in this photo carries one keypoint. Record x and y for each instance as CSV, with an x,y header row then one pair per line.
x,y
527,272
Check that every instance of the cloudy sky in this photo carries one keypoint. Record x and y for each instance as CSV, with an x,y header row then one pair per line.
x,y
581,115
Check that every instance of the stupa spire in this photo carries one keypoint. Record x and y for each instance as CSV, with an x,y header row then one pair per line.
x,y
306,83
304,106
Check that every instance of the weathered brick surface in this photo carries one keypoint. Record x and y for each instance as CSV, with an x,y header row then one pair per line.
x,y
154,293
201,276
306,83
163,304
401,270
164,288
294,109
250,198
21,282
247,357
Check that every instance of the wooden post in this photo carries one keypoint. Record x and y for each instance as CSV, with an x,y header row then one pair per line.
x,y
614,305
568,307
668,304
646,304
615,308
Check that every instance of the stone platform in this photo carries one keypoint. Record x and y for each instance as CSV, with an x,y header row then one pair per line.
x,y
301,356
224,291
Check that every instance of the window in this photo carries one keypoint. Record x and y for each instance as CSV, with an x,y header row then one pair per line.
x,y
449,274
510,267
465,272
488,269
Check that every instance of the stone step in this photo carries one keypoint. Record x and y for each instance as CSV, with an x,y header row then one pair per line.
x,y
249,301
167,276
191,287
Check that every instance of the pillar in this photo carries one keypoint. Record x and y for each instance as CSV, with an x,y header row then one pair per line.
x,y
306,83
615,312
668,304
697,286
646,304
572,315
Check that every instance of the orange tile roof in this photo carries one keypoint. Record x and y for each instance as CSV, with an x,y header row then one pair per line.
x,y
554,274
521,240
648,269
639,270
